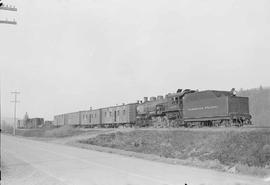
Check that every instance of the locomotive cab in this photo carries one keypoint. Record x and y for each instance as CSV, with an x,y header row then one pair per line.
x,y
173,108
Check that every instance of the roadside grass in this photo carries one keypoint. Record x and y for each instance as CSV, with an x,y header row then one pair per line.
x,y
256,171
64,131
30,132
8,129
63,134
248,152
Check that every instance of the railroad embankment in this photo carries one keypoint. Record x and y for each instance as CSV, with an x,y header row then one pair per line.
x,y
244,151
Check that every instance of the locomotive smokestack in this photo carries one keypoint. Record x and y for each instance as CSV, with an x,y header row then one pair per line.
x,y
145,99
233,91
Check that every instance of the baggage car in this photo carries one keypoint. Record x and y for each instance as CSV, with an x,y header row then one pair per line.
x,y
59,120
91,117
73,118
119,115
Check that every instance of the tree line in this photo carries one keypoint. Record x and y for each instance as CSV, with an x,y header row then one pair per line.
x,y
259,104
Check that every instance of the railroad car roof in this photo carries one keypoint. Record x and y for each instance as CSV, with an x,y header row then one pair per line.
x,y
119,105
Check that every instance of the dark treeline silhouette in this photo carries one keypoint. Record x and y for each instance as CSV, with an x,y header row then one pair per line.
x,y
259,101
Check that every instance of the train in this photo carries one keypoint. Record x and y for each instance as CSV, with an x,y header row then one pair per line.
x,y
185,108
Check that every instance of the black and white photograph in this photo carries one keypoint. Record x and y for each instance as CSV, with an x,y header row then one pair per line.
x,y
125,92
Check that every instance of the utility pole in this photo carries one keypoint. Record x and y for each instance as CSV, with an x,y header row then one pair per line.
x,y
0,105
15,103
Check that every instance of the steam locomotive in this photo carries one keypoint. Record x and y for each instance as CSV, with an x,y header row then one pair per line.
x,y
191,108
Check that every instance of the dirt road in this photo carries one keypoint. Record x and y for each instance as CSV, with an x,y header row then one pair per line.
x,y
28,162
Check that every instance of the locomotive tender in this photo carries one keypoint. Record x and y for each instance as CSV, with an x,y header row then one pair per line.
x,y
184,108
215,108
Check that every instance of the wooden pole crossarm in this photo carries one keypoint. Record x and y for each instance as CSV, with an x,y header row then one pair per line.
x,y
9,8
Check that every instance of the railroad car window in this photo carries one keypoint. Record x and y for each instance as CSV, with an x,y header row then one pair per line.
x,y
118,112
111,114
124,112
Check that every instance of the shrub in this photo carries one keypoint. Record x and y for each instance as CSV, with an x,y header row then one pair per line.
x,y
63,131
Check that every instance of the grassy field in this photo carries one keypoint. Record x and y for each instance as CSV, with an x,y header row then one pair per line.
x,y
249,150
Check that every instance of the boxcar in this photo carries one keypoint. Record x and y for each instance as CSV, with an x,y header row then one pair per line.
x,y
85,117
215,108
119,115
73,118
91,117
59,120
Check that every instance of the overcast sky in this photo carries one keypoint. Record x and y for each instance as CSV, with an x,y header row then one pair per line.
x,y
68,55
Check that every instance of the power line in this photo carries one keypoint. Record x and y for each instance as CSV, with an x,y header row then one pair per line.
x,y
15,101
